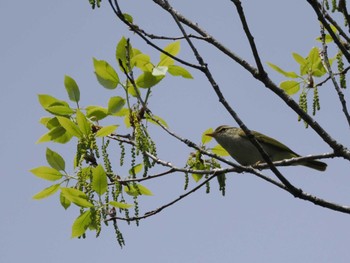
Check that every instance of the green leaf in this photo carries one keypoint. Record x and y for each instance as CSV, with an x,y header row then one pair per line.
x,y
72,88
60,110
55,160
99,180
64,201
159,71
81,224
83,124
173,49
197,177
220,151
133,91
205,137
121,54
287,74
127,121
123,112
120,205
175,70
299,59
147,80
47,173
162,121
328,39
319,72
96,112
106,75
57,134
47,100
136,169
290,86
142,61
137,189
313,56
128,17
115,104
76,196
70,127
50,122
47,192
45,120
106,130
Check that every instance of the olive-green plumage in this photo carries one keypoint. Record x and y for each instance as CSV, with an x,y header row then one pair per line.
x,y
237,144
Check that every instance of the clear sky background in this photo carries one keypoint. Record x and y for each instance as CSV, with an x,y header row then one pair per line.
x,y
41,41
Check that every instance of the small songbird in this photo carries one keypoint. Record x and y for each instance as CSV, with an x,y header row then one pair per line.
x,y
237,144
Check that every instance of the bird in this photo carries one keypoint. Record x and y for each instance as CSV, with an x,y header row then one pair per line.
x,y
237,144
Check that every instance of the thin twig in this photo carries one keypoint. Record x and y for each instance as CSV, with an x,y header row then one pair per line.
x,y
343,72
250,37
318,10
330,72
134,28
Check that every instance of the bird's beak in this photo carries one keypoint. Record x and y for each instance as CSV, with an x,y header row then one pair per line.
x,y
212,134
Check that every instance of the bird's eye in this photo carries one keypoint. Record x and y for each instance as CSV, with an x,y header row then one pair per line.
x,y
222,129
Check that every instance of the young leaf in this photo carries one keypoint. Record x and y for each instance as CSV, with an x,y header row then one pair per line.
x,y
290,86
60,110
81,224
50,122
137,189
57,134
46,173
120,205
128,17
76,196
159,119
220,151
115,104
83,124
106,75
313,56
197,177
99,180
107,130
45,120
136,169
288,74
123,112
55,160
122,52
133,91
299,59
147,80
143,62
70,127
159,71
205,137
328,39
47,192
64,201
173,49
175,70
47,100
96,112
72,88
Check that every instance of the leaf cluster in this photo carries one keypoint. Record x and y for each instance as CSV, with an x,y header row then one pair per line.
x,y
95,187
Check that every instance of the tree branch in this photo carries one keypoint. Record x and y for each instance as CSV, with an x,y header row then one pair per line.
x,y
317,8
250,37
330,72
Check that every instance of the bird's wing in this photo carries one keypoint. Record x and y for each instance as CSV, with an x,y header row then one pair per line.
x,y
262,138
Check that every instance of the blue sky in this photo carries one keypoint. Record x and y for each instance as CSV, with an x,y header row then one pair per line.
x,y
255,222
